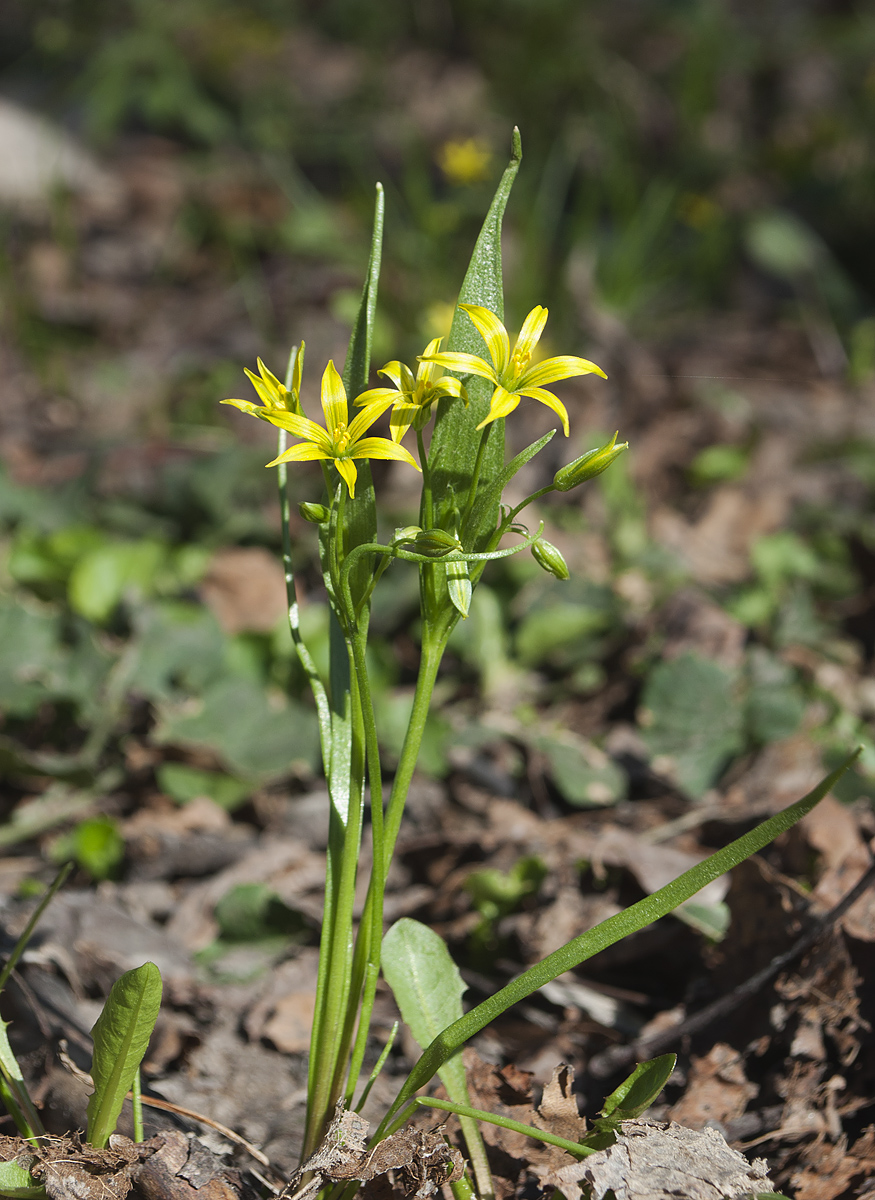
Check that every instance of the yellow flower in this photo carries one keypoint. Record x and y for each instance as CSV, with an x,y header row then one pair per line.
x,y
511,373
412,398
337,441
275,396
465,162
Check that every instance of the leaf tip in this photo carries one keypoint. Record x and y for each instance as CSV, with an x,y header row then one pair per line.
x,y
516,145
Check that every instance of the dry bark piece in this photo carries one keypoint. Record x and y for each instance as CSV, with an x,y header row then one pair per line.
x,y
657,1161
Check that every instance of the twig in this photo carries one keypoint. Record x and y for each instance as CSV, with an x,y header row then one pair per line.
x,y
617,1057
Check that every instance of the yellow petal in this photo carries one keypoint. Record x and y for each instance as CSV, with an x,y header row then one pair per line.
x,y
465,364
401,420
303,452
448,385
365,419
267,395
493,333
382,448
551,401
503,402
400,375
244,405
530,334
301,427
298,371
375,395
552,369
270,379
425,369
348,472
334,400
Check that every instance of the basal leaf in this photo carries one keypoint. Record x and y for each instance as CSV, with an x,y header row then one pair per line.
x,y
639,1090
17,1181
121,1038
428,990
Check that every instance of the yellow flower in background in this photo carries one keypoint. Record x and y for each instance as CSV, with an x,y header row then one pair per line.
x,y
338,441
274,396
465,162
511,373
412,398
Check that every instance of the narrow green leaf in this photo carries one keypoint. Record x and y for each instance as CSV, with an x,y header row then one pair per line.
x,y
489,497
637,1092
121,1037
18,1182
455,441
428,990
479,1114
361,513
588,944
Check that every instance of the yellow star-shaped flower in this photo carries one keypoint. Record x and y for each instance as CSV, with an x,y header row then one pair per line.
x,y
275,396
511,373
412,398
338,441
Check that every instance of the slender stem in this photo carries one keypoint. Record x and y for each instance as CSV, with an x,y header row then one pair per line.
x,y
475,478
378,1066
137,1103
336,949
317,687
478,1114
427,504
21,944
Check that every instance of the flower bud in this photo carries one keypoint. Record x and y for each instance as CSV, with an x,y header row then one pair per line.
x,y
549,558
435,543
588,465
316,514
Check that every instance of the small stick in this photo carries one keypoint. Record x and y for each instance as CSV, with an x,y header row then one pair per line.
x,y
617,1057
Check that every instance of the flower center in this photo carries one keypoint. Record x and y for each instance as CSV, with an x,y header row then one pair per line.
x,y
341,438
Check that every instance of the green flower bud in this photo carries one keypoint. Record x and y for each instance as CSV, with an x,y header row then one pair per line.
x,y
588,465
435,543
316,514
550,559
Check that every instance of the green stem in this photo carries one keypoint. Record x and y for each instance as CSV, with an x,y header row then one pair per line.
x,y
336,948
475,479
21,944
317,687
427,504
137,1104
479,1114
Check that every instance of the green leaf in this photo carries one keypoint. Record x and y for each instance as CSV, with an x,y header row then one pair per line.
x,y
252,912
179,646
585,775
102,577
692,720
428,990
257,734
17,1181
29,637
639,1090
95,844
489,497
184,784
121,1037
607,933
455,440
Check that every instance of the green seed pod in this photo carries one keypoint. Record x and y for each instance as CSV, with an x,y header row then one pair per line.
x,y
316,514
550,559
588,465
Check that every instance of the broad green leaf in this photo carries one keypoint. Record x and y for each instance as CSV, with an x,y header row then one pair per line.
x,y
607,933
428,990
100,578
455,440
179,646
251,912
585,776
121,1037
184,784
29,636
639,1090
489,497
257,734
17,1181
692,720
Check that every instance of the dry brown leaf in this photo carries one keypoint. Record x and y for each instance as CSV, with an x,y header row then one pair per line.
x,y
246,589
717,1089
833,1170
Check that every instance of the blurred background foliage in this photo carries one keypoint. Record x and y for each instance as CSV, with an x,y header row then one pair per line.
x,y
684,159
